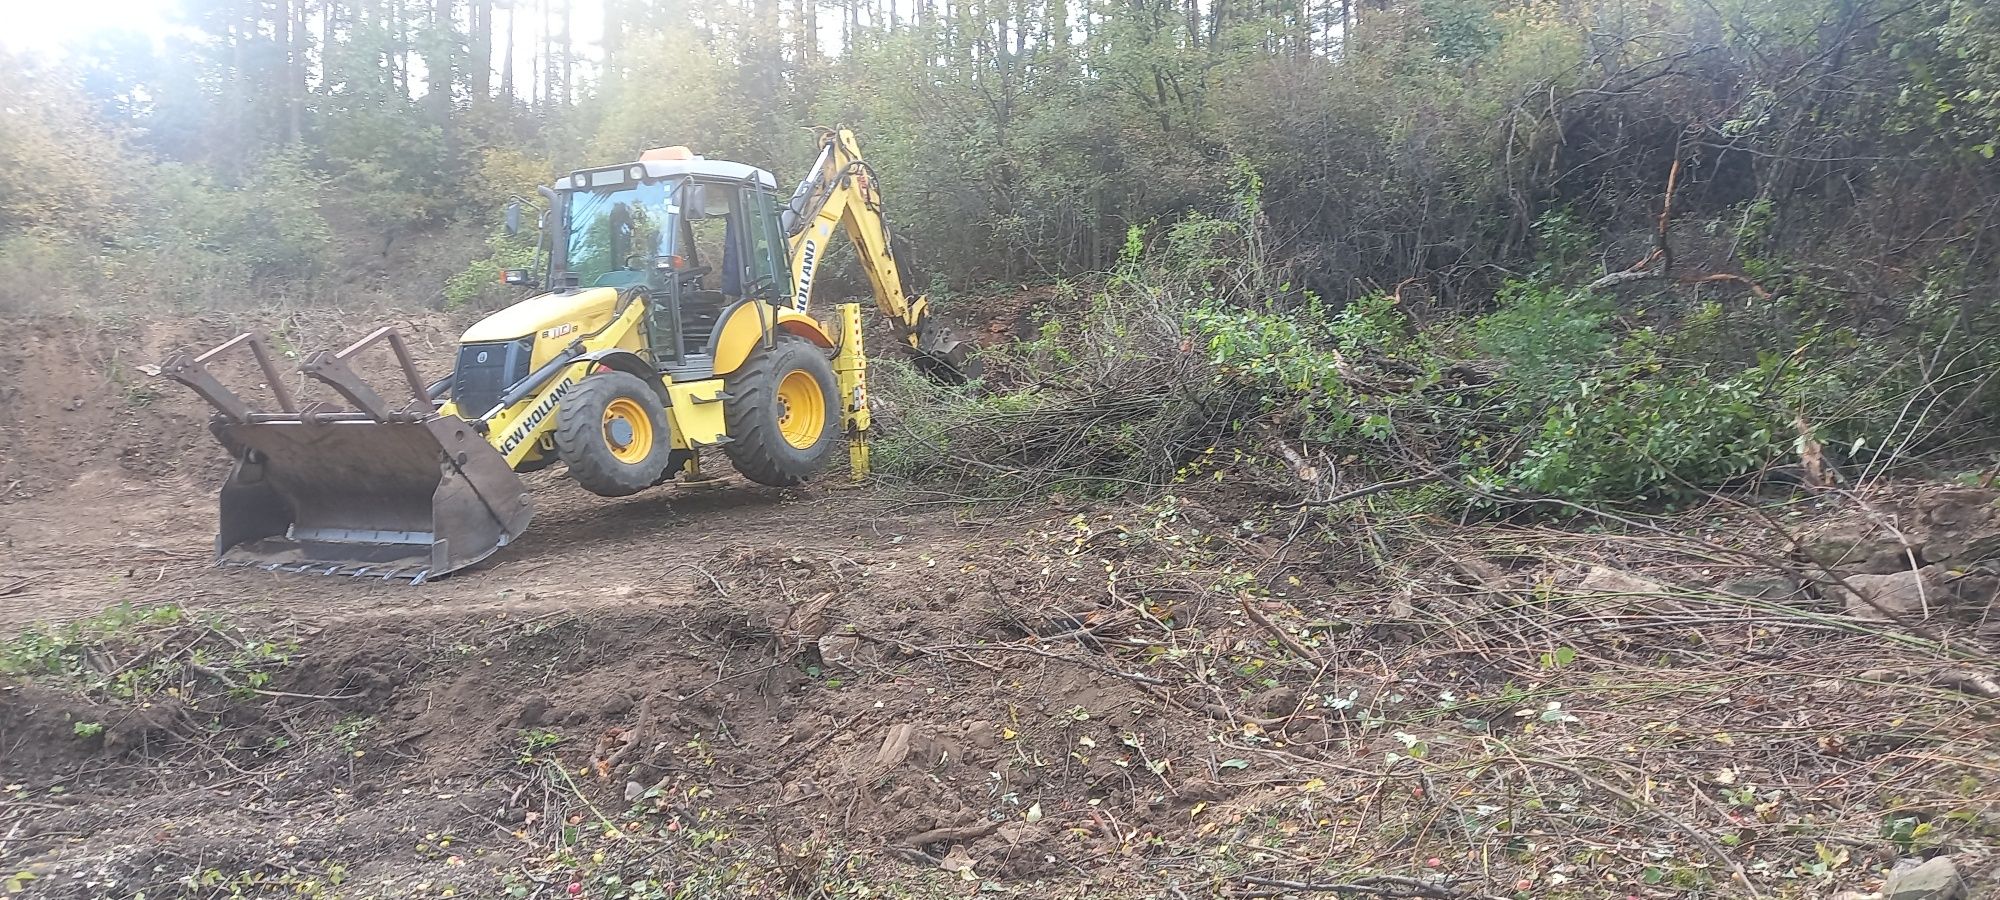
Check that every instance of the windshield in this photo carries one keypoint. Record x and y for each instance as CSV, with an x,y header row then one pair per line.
x,y
615,234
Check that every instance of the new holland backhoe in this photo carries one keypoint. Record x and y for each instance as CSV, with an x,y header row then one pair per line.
x,y
674,318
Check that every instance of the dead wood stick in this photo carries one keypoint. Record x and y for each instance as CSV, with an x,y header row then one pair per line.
x,y
1359,493
606,762
951,835
1967,682
1708,843
232,684
1284,637
1370,886
1660,245
788,765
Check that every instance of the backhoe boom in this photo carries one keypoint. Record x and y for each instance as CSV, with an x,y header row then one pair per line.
x,y
840,192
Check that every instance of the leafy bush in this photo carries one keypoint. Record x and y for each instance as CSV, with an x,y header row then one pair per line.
x,y
479,284
1638,434
1546,335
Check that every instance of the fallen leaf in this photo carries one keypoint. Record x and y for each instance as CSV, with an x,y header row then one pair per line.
x,y
958,860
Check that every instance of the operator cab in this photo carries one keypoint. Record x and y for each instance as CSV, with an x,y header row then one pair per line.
x,y
694,237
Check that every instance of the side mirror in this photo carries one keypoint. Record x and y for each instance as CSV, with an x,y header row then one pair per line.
x,y
519,278
513,217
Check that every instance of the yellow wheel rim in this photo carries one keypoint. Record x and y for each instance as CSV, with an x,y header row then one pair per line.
x,y
628,431
801,409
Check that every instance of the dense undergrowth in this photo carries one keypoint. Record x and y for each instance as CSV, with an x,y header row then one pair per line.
x,y
1568,387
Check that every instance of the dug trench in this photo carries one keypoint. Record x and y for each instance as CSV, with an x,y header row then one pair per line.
x,y
878,691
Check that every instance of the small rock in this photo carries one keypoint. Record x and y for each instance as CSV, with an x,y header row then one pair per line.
x,y
1761,587
1628,589
1021,774
1278,701
895,746
633,791
838,649
1958,525
1974,592
1602,580
1937,879
1905,593
1857,548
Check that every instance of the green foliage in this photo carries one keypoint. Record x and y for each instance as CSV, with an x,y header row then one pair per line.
x,y
204,653
54,158
535,744
479,284
1546,335
1638,433
60,650
1287,360
268,227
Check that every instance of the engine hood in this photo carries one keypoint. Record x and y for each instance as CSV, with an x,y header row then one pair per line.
x,y
583,311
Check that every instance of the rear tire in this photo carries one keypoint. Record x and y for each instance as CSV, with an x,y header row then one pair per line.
x,y
783,413
612,432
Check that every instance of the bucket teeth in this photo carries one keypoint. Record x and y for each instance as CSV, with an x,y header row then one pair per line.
x,y
415,575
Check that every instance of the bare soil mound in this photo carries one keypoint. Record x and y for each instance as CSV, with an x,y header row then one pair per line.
x,y
80,395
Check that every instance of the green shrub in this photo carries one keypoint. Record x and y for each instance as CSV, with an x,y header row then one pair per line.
x,y
1546,335
479,284
1638,434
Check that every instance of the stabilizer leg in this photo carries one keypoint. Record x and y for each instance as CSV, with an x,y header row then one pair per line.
x,y
850,369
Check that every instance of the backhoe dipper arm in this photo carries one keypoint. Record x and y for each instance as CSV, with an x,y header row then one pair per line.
x,y
840,192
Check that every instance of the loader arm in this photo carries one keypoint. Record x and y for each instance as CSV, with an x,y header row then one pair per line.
x,y
840,192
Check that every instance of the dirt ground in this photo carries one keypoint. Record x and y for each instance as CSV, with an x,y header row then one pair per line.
x,y
871,691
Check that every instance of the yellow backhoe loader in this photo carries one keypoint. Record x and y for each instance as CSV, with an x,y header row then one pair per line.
x,y
675,318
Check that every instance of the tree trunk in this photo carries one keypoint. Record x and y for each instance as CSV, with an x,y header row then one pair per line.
x,y
507,60
568,58
293,26
440,70
614,32
480,68
808,30
239,125
549,72
329,13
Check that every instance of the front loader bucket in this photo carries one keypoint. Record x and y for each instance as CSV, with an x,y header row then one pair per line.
x,y
388,490
408,500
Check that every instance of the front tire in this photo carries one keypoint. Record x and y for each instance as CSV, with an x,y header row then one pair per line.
x,y
611,430
782,414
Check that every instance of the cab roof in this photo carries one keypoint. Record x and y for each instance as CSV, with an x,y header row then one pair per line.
x,y
722,170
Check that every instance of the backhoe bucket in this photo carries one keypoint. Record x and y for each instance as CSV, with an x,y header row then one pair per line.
x,y
408,500
385,491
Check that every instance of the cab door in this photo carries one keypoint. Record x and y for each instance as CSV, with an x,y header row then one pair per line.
x,y
767,271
